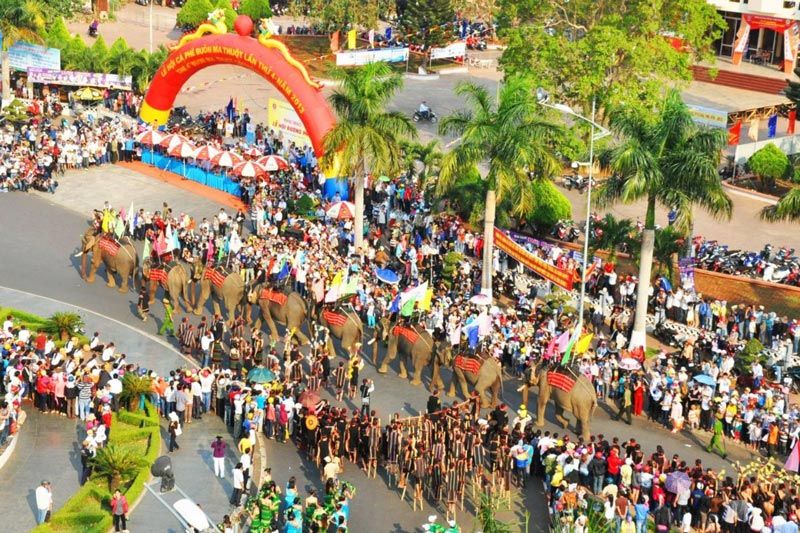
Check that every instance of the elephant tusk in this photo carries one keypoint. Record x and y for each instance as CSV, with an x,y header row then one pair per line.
x,y
78,254
371,341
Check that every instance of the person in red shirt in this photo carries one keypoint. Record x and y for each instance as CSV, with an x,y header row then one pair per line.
x,y
119,509
39,343
614,463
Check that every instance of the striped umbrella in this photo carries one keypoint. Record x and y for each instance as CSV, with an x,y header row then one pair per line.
x,y
183,150
273,162
205,153
252,152
170,141
149,137
248,169
226,159
341,210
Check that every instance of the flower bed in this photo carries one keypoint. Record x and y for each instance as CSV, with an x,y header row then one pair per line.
x,y
88,510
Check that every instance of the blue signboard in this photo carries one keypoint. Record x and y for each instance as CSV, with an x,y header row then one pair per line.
x,y
22,56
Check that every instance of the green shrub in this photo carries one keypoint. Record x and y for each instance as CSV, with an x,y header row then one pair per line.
x,y
753,351
769,163
255,9
551,204
194,12
64,324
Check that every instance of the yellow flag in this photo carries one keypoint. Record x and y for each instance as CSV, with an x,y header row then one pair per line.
x,y
351,39
424,304
337,279
583,344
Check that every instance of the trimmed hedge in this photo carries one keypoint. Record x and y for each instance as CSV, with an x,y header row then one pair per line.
x,y
88,510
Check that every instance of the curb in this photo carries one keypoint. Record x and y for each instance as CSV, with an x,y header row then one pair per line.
x,y
9,451
454,70
755,195
422,77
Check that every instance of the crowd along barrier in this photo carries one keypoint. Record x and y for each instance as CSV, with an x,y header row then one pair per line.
x,y
191,172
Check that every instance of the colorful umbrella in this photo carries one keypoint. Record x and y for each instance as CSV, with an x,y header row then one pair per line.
x,y
226,159
309,399
206,153
705,379
172,140
149,137
248,169
260,375
384,178
387,276
88,93
252,152
677,482
273,162
341,210
182,150
481,299
629,363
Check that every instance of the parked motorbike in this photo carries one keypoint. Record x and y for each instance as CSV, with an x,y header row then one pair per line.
x,y
576,181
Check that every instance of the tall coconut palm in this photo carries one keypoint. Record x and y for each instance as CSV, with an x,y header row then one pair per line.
x,y
666,159
366,138
513,140
428,155
20,20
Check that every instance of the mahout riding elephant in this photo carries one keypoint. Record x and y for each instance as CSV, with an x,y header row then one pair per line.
x,y
483,373
227,288
119,257
343,324
415,344
570,391
174,277
288,309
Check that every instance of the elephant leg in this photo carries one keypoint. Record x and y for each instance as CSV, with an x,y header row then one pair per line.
x,y
417,379
524,392
152,292
391,353
273,329
451,391
124,275
484,395
464,387
560,418
583,428
496,392
302,338
541,405
403,371
111,280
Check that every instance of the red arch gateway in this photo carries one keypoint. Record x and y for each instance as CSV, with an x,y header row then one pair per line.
x,y
246,52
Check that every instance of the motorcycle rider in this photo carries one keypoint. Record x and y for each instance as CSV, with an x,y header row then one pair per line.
x,y
424,111
93,27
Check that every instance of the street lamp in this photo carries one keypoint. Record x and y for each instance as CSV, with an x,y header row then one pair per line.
x,y
543,98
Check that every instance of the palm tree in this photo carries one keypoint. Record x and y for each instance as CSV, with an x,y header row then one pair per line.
x,y
616,234
366,138
667,244
118,464
20,20
664,159
430,157
513,140
787,208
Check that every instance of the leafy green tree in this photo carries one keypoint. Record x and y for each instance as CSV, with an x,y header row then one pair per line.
x,y
255,9
334,15
73,54
662,158
100,55
366,138
787,208
616,233
513,140
550,205
16,112
58,34
194,12
614,51
428,156
422,21
768,163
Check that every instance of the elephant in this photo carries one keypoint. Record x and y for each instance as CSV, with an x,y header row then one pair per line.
x,y
344,325
276,306
227,288
174,278
118,257
581,399
414,343
481,372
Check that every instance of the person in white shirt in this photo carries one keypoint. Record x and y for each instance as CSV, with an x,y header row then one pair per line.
x,y
238,484
44,501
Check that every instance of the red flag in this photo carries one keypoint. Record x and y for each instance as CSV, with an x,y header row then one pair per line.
x,y
734,133
335,41
792,118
